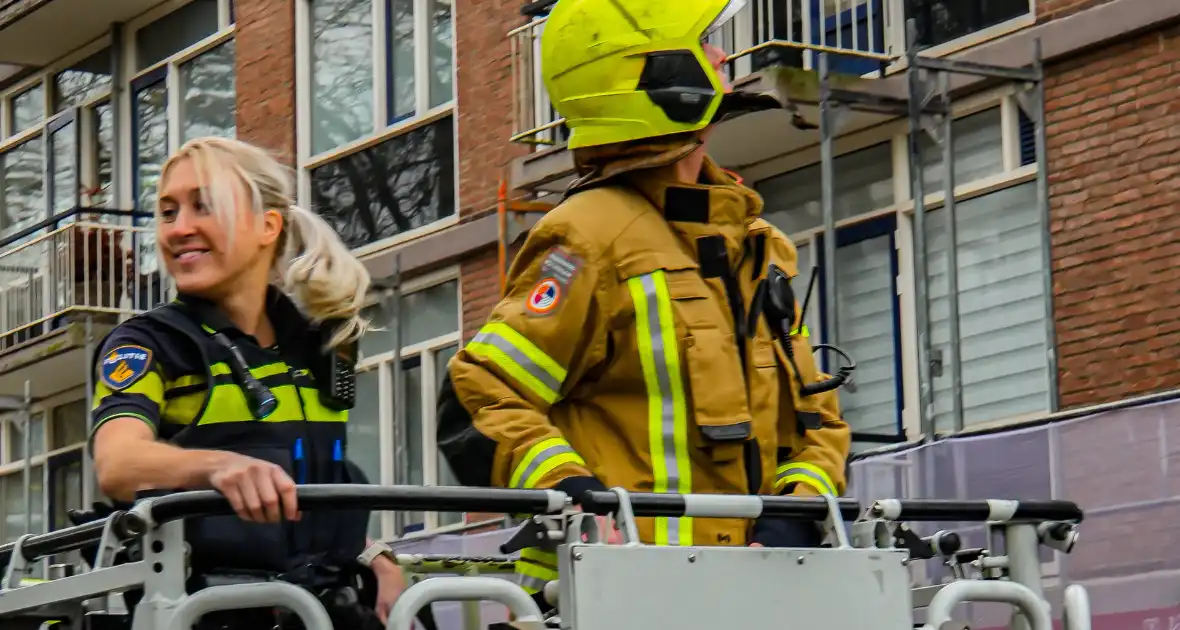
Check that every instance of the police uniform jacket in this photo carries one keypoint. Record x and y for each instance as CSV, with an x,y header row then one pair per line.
x,y
165,368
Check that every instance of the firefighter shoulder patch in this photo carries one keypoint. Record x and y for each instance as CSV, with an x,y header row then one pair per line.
x,y
124,365
558,270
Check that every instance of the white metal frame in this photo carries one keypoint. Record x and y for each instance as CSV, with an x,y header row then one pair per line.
x,y
384,364
895,133
382,131
124,143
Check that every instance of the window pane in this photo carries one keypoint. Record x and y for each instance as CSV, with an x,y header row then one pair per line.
x,y
28,109
17,434
426,314
403,183
175,32
364,434
401,60
67,492
98,188
940,21
412,381
12,488
23,187
978,152
865,295
208,104
83,81
441,88
444,474
65,171
431,312
342,72
1002,306
794,200
68,424
151,114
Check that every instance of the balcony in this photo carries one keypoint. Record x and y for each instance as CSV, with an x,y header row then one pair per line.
x,y
37,32
82,269
775,47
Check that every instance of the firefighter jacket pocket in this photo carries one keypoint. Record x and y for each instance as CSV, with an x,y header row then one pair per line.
x,y
229,543
689,358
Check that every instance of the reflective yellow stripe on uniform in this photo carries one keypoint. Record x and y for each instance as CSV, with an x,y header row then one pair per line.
x,y
800,472
517,356
667,416
803,331
542,458
228,403
535,568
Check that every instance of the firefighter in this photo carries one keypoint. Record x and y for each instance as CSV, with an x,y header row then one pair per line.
x,y
241,384
630,349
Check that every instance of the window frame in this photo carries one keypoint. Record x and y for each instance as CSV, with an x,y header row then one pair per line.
x,y
166,70
382,129
384,364
896,132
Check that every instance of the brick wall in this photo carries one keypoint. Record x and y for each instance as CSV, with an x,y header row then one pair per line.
x,y
1114,185
265,69
484,92
1053,9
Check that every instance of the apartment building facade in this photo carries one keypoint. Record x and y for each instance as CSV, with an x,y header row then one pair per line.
x,y
399,115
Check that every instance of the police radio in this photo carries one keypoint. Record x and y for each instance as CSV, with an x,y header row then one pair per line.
x,y
779,308
338,382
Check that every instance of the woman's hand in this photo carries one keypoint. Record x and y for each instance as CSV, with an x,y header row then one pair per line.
x,y
258,490
390,584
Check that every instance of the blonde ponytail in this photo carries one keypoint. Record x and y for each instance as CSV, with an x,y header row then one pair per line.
x,y
323,276
313,266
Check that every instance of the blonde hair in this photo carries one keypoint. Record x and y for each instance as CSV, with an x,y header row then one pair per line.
x,y
313,266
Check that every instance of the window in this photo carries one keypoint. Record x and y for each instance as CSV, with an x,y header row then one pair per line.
x,y
413,71
401,184
55,466
1001,288
1002,306
403,451
376,130
940,21
191,48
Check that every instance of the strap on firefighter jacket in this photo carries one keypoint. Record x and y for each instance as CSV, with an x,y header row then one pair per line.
x,y
200,383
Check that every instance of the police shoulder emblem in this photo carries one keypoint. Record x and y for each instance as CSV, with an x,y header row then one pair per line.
x,y
125,365
544,297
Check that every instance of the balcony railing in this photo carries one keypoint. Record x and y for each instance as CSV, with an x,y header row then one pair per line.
x,y
856,33
78,263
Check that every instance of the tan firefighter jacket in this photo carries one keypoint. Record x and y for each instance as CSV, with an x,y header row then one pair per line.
x,y
614,358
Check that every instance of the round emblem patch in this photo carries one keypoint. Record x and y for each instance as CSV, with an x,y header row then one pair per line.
x,y
544,297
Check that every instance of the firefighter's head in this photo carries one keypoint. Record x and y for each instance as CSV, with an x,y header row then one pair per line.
x,y
625,70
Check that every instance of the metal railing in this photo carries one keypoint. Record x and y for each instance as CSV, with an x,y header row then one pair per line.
x,y
79,262
856,33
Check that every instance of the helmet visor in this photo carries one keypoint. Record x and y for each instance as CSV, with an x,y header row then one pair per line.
x,y
726,15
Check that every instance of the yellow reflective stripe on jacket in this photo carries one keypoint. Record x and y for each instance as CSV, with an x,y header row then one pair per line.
x,y
659,353
801,472
803,330
542,458
535,568
521,359
227,402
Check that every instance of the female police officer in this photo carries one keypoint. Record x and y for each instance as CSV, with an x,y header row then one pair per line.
x,y
241,384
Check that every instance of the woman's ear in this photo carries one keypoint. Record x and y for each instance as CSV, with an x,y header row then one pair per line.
x,y
272,226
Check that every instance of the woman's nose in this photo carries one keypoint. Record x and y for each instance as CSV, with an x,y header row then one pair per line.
x,y
182,224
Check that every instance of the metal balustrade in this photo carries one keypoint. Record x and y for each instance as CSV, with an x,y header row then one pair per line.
x,y
81,266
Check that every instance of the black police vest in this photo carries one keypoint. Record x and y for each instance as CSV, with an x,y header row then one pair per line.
x,y
302,436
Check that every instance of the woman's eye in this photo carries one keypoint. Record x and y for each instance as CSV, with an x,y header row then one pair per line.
x,y
167,214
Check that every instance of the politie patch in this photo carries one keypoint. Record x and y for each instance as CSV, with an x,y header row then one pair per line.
x,y
125,365
544,297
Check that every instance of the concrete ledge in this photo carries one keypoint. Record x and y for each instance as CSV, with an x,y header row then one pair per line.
x,y
449,245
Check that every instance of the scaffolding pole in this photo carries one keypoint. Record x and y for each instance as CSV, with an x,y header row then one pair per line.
x,y
929,110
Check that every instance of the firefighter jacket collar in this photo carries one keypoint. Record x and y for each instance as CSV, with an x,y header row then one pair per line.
x,y
716,206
